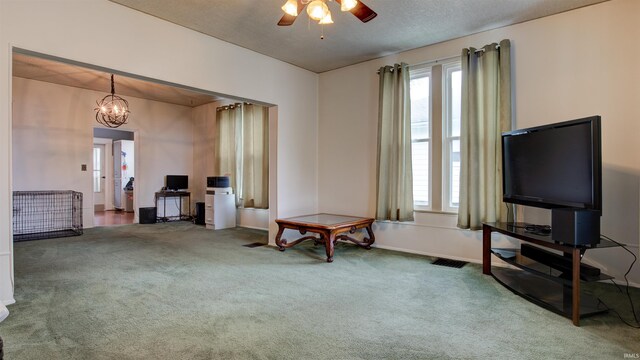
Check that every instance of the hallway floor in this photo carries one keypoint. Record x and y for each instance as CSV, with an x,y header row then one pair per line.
x,y
112,217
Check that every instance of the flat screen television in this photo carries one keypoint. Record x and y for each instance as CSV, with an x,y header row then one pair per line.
x,y
554,166
177,182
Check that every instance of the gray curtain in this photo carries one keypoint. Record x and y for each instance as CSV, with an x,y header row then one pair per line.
x,y
395,178
255,156
486,112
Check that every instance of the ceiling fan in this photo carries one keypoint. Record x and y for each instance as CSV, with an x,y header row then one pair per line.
x,y
318,10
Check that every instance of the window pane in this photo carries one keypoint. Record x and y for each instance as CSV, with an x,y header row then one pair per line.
x,y
420,163
420,113
456,102
454,195
420,87
97,175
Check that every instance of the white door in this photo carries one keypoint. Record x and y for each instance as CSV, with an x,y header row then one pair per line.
x,y
98,177
117,175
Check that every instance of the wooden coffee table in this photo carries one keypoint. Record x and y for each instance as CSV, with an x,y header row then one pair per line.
x,y
330,228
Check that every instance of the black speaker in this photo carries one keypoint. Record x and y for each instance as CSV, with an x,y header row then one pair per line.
x,y
199,213
575,227
147,215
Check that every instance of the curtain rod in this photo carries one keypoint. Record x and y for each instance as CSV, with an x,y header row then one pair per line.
x,y
232,106
435,61
443,59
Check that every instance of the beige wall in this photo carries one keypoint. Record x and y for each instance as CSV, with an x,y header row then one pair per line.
x,y
567,66
150,47
204,150
204,130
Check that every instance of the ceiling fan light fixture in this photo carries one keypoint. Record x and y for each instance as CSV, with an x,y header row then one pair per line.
x,y
291,7
347,5
317,10
326,20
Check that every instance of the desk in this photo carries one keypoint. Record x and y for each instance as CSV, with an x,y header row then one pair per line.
x,y
170,194
329,227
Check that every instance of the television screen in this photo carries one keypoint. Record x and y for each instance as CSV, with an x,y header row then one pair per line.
x,y
177,182
554,166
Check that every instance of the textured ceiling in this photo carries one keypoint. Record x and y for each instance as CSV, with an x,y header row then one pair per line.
x,y
400,25
51,71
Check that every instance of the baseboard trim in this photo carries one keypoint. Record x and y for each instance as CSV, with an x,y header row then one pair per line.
x,y
253,227
460,258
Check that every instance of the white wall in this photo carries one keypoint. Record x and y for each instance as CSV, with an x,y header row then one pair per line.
x,y
53,136
147,46
567,66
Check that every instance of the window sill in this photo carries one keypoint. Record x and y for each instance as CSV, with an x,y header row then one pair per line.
x,y
441,212
428,219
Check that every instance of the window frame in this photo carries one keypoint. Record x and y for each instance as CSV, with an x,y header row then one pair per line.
x,y
440,175
447,137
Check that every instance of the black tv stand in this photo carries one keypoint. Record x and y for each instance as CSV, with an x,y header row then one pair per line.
x,y
545,278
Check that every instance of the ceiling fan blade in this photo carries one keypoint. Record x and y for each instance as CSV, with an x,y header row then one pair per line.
x,y
287,19
362,11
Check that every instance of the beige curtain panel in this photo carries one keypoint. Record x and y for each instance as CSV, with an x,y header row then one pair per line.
x,y
228,136
255,156
242,139
395,178
486,113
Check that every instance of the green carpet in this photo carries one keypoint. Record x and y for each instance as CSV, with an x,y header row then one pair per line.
x,y
178,291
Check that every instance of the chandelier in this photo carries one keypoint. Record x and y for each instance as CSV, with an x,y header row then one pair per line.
x,y
112,111
317,9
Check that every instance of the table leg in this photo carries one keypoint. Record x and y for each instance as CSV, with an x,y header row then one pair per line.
x,y
329,240
278,236
372,238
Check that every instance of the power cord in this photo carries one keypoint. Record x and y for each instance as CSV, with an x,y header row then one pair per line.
x,y
633,309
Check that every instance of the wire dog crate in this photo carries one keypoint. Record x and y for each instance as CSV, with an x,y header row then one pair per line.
x,y
46,214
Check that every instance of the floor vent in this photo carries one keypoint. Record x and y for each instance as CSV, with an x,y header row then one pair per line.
x,y
253,245
450,263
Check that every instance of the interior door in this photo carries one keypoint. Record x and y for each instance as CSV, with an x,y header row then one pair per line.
x,y
117,175
98,176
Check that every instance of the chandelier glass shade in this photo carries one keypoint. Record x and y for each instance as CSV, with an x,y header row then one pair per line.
x,y
317,10
326,20
112,111
347,5
291,7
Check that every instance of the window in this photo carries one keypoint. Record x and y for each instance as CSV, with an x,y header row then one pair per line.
x,y
97,169
452,111
420,87
436,96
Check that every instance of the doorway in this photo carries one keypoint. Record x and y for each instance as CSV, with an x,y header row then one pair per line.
x,y
98,177
113,177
